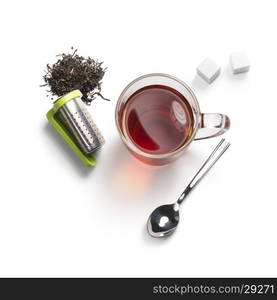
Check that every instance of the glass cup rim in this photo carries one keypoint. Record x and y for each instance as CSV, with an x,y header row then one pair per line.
x,y
130,144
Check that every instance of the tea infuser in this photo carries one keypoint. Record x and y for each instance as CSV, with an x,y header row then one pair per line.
x,y
164,220
70,117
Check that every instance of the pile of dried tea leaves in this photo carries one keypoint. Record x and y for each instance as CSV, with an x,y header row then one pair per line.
x,y
72,72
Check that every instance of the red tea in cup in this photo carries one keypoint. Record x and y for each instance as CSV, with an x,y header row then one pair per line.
x,y
158,119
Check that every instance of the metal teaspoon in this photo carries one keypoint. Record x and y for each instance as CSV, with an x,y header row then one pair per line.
x,y
164,220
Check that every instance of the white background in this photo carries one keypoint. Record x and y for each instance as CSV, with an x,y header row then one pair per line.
x,y
59,218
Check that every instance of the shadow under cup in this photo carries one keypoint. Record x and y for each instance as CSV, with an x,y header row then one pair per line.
x,y
158,116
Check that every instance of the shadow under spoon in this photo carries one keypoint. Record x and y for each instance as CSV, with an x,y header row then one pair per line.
x,y
164,220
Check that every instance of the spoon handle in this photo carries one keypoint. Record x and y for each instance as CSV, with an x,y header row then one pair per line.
x,y
211,160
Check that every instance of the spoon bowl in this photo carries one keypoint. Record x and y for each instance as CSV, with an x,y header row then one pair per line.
x,y
163,220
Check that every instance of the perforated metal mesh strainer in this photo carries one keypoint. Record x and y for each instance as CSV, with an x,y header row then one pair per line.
x,y
77,119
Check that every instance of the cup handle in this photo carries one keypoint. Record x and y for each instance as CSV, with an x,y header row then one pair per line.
x,y
212,125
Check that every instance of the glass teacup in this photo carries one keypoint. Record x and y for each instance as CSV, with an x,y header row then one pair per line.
x,y
158,116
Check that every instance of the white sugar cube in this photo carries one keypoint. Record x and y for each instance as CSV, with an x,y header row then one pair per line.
x,y
239,62
208,70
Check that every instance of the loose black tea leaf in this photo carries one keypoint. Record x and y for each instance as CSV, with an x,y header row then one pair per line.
x,y
72,72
